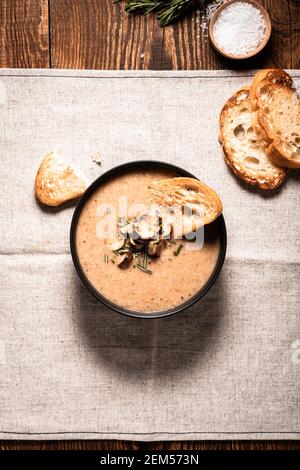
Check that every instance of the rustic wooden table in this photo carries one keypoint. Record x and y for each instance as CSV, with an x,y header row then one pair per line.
x,y
95,34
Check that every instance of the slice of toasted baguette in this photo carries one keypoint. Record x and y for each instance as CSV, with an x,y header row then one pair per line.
x,y
260,131
56,182
263,79
244,152
266,143
186,192
279,115
272,153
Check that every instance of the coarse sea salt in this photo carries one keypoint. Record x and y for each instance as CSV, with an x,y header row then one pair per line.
x,y
239,29
207,13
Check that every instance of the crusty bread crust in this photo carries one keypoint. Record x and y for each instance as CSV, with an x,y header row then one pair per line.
x,y
271,151
56,182
276,157
260,131
189,192
243,151
279,115
276,116
263,79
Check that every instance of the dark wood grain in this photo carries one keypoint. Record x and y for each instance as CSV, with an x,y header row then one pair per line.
x,y
294,13
24,33
128,445
95,34
99,35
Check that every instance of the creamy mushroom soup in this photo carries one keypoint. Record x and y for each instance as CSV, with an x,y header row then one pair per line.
x,y
169,279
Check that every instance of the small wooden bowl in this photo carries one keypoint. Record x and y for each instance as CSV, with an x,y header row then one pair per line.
x,y
263,43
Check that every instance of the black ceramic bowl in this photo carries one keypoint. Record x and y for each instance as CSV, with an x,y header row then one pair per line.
x,y
140,165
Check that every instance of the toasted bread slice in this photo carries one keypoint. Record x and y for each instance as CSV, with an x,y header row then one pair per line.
x,y
279,115
56,182
260,131
263,79
187,192
271,151
276,157
244,152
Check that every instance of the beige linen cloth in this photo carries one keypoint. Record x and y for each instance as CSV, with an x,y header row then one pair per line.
x,y
227,368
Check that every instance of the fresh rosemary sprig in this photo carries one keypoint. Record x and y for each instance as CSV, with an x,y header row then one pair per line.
x,y
141,6
167,10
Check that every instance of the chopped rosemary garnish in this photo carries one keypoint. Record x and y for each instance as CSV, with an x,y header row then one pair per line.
x,y
143,266
138,239
106,258
176,252
145,260
144,270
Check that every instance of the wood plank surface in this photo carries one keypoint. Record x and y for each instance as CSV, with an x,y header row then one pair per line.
x,y
128,445
24,33
294,14
96,34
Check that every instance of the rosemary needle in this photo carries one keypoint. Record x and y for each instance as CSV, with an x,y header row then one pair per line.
x,y
167,10
176,252
144,269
